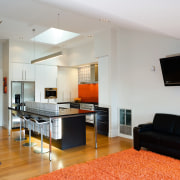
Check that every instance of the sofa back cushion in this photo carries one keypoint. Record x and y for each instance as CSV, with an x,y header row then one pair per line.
x,y
164,122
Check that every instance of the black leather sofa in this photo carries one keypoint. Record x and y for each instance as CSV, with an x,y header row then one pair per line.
x,y
161,136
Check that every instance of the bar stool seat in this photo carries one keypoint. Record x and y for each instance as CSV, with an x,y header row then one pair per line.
x,y
29,144
41,123
20,138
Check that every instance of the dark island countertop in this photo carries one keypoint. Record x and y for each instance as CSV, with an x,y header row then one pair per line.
x,y
95,103
49,114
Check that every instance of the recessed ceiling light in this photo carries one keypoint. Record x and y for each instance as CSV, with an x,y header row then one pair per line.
x,y
90,36
54,36
104,20
21,37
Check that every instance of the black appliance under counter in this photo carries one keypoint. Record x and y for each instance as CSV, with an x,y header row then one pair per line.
x,y
102,120
102,116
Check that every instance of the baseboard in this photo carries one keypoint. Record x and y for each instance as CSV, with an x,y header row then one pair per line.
x,y
113,133
125,136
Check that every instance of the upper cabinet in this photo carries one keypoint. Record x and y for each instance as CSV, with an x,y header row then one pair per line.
x,y
23,72
104,88
67,84
46,77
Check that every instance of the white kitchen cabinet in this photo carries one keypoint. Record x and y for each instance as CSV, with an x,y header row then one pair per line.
x,y
23,72
103,75
29,72
45,77
67,84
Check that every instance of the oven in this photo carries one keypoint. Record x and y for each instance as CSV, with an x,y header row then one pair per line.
x,y
50,93
89,107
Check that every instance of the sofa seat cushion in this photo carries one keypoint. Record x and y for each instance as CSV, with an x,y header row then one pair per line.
x,y
162,139
170,141
164,123
149,137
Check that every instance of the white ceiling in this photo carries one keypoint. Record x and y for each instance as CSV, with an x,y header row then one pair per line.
x,y
85,17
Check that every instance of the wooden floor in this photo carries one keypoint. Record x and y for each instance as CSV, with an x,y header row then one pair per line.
x,y
19,162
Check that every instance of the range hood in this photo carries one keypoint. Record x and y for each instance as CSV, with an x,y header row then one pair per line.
x,y
91,76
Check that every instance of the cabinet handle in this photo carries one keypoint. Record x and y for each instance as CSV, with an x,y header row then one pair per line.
x,y
22,75
25,74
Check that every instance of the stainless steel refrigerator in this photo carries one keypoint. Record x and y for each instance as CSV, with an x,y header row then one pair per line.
x,y
21,91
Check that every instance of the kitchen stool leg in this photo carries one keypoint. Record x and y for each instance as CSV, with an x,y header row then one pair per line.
x,y
50,133
20,136
29,144
42,139
43,150
30,135
95,126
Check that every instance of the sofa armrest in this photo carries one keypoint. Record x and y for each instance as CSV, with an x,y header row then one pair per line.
x,y
136,138
145,127
136,134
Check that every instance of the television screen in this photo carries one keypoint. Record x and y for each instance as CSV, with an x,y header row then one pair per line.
x,y
171,70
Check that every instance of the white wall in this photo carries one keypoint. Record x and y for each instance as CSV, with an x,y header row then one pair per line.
x,y
138,87
133,85
106,53
1,85
6,74
21,51
82,54
67,84
102,43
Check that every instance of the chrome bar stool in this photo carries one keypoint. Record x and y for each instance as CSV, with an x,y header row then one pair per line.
x,y
41,123
20,138
29,144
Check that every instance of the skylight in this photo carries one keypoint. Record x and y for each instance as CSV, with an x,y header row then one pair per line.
x,y
54,36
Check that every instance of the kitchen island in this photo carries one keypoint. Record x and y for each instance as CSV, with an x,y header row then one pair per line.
x,y
72,127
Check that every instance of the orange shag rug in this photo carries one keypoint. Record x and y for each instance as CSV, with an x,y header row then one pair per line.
x,y
126,165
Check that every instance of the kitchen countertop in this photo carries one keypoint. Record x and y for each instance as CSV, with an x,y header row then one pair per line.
x,y
78,102
61,113
65,102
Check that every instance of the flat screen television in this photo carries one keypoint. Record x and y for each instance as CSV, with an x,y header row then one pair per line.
x,y
171,70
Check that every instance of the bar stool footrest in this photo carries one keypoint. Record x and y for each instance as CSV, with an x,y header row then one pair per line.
x,y
29,144
20,139
38,150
